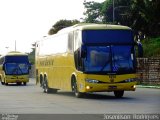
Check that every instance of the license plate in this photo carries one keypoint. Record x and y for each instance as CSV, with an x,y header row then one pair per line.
x,y
112,87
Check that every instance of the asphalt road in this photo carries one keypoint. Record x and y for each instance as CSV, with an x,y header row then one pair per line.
x,y
31,100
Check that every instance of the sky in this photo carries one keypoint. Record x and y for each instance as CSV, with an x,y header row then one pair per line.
x,y
26,21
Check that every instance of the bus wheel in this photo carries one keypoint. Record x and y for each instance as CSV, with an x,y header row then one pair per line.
x,y
2,83
75,89
41,81
19,83
24,83
119,94
5,83
46,89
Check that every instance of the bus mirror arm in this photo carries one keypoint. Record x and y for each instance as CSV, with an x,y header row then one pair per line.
x,y
30,65
3,67
83,54
140,49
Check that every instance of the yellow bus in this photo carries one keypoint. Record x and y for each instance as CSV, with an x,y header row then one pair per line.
x,y
87,58
14,68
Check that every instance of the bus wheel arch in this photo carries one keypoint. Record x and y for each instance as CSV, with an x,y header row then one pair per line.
x,y
1,80
75,87
73,78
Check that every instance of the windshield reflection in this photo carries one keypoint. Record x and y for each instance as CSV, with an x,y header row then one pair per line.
x,y
118,59
122,58
96,58
16,68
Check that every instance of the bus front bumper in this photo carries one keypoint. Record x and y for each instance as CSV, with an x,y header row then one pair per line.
x,y
92,87
16,79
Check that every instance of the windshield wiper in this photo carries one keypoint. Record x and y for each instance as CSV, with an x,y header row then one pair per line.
x,y
20,69
104,66
15,71
106,63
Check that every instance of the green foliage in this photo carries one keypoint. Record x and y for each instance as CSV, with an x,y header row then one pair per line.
x,y
61,24
141,15
121,11
145,15
31,55
107,11
93,12
151,47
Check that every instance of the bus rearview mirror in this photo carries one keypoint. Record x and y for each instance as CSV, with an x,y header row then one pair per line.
x,y
83,54
30,65
3,67
140,49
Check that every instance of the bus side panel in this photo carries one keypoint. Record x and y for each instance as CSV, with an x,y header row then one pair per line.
x,y
59,72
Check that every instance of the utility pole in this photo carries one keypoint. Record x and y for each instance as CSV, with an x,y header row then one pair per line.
x,y
15,45
7,48
113,11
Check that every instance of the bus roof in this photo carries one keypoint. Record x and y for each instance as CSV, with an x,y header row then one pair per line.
x,y
88,26
15,53
92,26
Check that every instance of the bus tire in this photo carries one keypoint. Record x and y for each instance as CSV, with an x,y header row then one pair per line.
x,y
119,94
24,83
5,83
46,89
19,83
1,80
41,81
2,83
75,88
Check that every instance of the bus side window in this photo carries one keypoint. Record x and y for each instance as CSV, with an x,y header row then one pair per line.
x,y
78,59
70,42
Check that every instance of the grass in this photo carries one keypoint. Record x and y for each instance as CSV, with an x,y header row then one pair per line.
x,y
151,47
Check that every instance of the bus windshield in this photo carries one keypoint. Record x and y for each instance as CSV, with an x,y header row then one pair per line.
x,y
16,68
109,59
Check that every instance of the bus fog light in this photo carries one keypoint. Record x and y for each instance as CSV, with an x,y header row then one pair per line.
x,y
134,86
88,87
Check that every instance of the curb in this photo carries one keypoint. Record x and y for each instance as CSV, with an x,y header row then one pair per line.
x,y
145,86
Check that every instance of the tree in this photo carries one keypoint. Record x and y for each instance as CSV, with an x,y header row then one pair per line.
x,y
103,12
121,11
93,12
145,15
141,15
31,55
61,24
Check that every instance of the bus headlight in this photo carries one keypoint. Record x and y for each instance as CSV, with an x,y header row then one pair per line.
x,y
92,81
131,80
